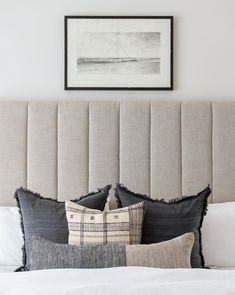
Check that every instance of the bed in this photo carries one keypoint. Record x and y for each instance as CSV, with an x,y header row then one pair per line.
x,y
120,281
66,149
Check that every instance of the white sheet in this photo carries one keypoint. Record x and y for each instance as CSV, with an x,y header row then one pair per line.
x,y
218,240
8,268
11,237
119,281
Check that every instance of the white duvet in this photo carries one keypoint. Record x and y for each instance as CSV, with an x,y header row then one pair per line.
x,y
119,281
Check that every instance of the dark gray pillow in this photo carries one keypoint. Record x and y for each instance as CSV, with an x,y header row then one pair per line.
x,y
47,217
167,220
175,253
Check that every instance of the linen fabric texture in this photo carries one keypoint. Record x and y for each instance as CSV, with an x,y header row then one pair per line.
x,y
11,237
218,237
120,226
175,253
47,218
166,220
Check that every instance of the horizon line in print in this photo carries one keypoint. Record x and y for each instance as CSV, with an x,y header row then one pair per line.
x,y
118,53
119,65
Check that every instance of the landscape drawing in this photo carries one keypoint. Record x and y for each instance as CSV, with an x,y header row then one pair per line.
x,y
118,53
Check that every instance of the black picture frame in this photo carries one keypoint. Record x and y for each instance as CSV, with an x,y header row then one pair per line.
x,y
66,82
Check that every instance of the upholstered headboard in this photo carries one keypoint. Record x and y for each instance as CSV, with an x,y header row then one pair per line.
x,y
163,149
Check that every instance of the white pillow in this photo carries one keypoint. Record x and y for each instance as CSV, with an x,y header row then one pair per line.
x,y
218,235
11,238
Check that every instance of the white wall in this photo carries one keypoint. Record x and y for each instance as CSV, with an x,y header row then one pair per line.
x,y
31,47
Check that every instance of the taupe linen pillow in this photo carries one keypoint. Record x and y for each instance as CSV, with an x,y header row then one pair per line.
x,y
120,226
175,253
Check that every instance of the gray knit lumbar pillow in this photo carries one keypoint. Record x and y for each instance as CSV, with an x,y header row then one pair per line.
x,y
174,253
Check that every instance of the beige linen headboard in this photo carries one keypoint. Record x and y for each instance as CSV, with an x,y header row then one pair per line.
x,y
163,149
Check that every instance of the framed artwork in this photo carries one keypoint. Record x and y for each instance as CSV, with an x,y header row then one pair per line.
x,y
118,52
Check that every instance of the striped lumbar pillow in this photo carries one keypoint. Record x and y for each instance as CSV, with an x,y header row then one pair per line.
x,y
89,226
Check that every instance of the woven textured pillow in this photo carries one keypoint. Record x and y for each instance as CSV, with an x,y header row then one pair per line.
x,y
175,253
46,217
120,226
166,220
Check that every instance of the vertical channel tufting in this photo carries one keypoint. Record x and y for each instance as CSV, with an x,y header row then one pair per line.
x,y
72,149
59,150
13,138
223,151
135,146
165,150
196,146
103,145
42,148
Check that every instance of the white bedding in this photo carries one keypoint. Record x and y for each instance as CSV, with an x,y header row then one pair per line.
x,y
8,268
11,237
119,281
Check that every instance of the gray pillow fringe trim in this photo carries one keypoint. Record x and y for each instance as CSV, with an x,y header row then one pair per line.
x,y
24,268
148,198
